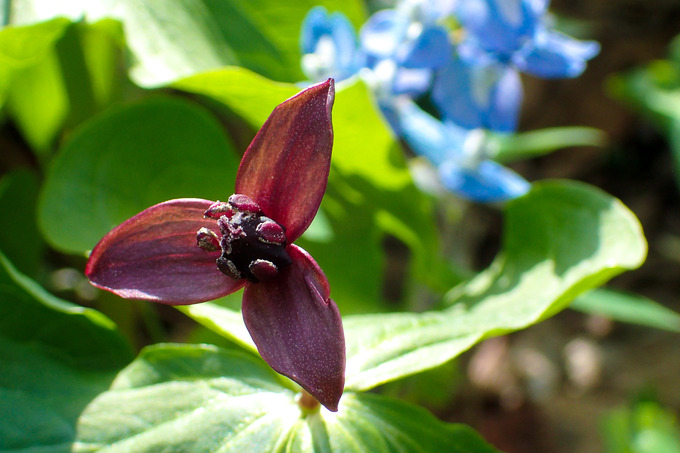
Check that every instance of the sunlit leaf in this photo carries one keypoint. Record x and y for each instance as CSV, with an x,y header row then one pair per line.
x,y
178,398
629,308
171,40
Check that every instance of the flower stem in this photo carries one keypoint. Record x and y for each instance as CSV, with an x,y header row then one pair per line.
x,y
307,402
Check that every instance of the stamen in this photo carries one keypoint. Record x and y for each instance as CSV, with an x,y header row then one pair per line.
x,y
217,210
207,240
253,245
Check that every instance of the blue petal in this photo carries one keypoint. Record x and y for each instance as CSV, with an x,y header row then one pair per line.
x,y
413,82
339,56
487,183
314,26
452,95
506,96
384,32
486,96
349,57
500,26
431,49
435,10
425,135
555,55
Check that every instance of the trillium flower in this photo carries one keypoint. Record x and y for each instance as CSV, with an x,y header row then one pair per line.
x,y
186,251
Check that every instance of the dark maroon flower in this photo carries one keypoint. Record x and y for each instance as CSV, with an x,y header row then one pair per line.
x,y
190,250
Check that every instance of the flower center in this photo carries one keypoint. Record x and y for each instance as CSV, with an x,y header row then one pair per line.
x,y
253,245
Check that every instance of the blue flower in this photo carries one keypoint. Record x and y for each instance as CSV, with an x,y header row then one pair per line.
x,y
460,155
518,33
480,88
404,46
329,46
484,95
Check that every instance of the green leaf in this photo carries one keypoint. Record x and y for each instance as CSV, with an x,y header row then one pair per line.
x,y
370,193
178,398
172,40
60,75
630,308
525,145
20,239
22,49
223,317
561,239
654,91
24,46
250,95
645,427
38,102
32,315
55,358
127,160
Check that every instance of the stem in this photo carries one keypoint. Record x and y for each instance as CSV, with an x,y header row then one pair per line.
x,y
307,402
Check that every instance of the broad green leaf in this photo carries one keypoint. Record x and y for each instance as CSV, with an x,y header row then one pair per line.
x,y
224,317
172,40
524,145
178,398
59,75
38,102
32,315
629,308
250,95
55,358
24,47
561,239
370,194
127,160
20,239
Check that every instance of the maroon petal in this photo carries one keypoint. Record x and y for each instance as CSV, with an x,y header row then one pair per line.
x,y
154,256
297,327
285,168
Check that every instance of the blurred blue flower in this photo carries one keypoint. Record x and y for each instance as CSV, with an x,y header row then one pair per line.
x,y
329,46
479,95
480,88
518,33
460,155
404,45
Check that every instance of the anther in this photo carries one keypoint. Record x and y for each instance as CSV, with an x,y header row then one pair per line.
x,y
270,232
217,210
207,240
244,203
227,267
263,270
